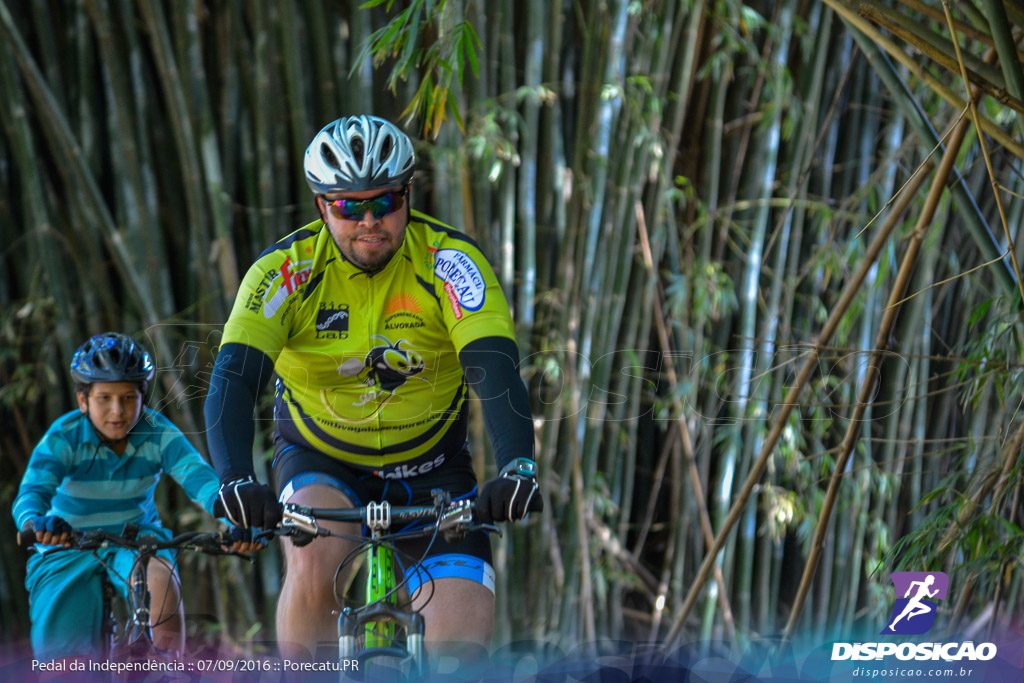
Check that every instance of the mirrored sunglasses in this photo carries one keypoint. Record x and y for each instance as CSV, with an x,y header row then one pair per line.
x,y
379,206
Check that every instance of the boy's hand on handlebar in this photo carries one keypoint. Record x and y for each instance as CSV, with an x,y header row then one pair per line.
x,y
247,503
512,495
50,530
245,540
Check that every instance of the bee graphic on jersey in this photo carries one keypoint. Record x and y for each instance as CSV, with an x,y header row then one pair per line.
x,y
388,366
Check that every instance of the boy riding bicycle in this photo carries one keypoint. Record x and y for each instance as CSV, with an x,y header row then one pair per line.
x,y
377,319
97,468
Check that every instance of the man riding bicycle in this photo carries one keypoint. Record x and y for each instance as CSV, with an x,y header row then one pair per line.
x,y
377,319
96,468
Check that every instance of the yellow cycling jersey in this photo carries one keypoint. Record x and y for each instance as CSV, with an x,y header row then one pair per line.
x,y
368,363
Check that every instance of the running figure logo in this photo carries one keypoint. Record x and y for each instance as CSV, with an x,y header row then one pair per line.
x,y
914,613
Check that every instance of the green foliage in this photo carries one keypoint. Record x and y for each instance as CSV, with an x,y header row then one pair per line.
x,y
495,127
991,358
706,295
25,381
783,510
428,41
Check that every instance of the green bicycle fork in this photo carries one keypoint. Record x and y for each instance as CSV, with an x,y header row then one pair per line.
x,y
380,587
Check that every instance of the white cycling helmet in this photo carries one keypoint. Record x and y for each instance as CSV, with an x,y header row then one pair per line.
x,y
358,153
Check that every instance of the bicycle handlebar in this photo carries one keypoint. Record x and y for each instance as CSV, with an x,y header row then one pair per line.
x,y
446,517
203,541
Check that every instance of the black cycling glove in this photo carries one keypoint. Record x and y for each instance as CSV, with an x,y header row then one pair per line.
x,y
247,503
512,495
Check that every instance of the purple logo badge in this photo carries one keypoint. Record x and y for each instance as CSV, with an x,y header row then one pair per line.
x,y
917,594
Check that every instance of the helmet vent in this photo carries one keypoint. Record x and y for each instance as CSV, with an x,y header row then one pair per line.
x,y
328,154
386,145
358,150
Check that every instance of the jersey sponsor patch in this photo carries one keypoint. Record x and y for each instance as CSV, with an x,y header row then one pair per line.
x,y
291,278
403,313
406,471
332,321
459,270
403,301
256,298
453,299
387,365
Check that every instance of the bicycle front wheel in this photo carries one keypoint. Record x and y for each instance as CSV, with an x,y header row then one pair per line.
x,y
383,665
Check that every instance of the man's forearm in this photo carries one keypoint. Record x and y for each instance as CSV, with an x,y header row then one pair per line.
x,y
239,376
491,366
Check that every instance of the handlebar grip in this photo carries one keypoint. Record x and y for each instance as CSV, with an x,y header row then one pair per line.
x,y
26,538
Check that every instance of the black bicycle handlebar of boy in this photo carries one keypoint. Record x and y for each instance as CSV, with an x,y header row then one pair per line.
x,y
212,543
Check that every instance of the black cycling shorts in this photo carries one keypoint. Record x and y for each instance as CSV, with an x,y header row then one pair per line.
x,y
421,558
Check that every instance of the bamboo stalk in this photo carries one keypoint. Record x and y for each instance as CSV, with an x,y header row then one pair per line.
x,y
136,216
900,204
939,50
937,14
683,428
79,176
526,254
968,210
981,138
942,90
877,358
185,144
23,155
1005,46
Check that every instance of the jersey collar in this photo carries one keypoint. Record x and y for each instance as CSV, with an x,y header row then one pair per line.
x,y
136,437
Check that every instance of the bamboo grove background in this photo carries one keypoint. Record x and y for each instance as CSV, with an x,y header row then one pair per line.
x,y
762,309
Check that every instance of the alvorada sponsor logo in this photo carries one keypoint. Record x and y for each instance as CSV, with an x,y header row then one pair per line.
x,y
913,613
403,320
461,272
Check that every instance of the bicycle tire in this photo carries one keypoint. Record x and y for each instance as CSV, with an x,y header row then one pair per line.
x,y
384,665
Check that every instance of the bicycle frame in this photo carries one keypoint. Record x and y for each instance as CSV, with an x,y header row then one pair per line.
x,y
382,615
379,619
108,624
139,630
136,638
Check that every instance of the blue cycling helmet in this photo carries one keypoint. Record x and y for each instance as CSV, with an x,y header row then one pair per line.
x,y
357,153
111,357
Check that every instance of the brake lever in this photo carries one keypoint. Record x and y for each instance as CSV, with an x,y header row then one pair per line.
x,y
460,519
457,517
295,519
489,528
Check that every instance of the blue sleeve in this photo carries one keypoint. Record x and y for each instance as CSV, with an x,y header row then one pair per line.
x,y
46,469
491,367
239,375
182,461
